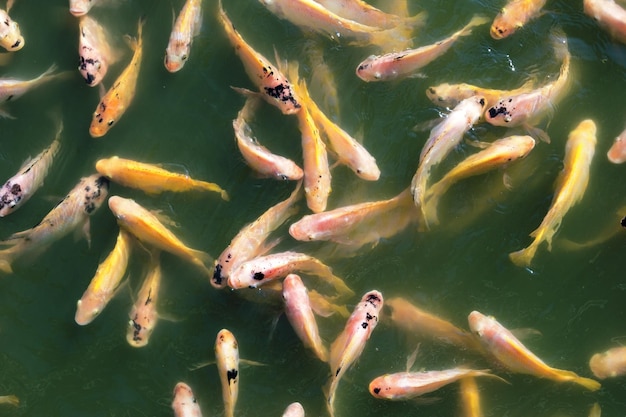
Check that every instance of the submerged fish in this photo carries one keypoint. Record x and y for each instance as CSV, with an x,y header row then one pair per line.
x,y
11,37
187,26
450,95
70,214
10,399
610,363
95,51
514,356
470,398
18,189
294,410
227,357
610,15
570,188
106,281
143,315
617,152
514,15
150,178
82,7
184,403
121,94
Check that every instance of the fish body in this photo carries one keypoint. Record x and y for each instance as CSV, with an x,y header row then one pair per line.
x,y
106,281
514,15
67,216
617,152
499,153
514,356
610,15
11,400
362,12
259,158
294,410
187,26
150,178
121,94
11,37
143,315
443,138
184,403
397,65
349,345
570,188
20,188
227,357
470,398
251,241
263,269
450,95
275,88
146,227
94,50
609,364
12,89
300,315
403,386
82,7
423,324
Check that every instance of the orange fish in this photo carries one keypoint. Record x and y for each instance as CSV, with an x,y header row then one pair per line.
x,y
514,15
609,364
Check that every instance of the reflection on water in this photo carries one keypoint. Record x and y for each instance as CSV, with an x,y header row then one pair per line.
x,y
183,121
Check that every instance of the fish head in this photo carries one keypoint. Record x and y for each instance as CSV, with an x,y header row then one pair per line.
x,y
617,152
94,191
120,206
176,55
81,7
87,309
101,122
183,398
140,329
478,323
91,67
105,166
10,196
11,38
505,24
367,70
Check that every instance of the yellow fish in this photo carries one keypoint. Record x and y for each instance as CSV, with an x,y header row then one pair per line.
x,y
227,357
143,315
187,25
514,15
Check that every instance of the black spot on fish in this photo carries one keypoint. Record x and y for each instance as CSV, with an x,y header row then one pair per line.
x,y
623,222
368,316
217,275
231,375
89,79
364,325
363,67
149,299
371,298
493,111
482,101
376,390
16,44
110,122
10,97
136,331
258,276
338,370
399,57
16,189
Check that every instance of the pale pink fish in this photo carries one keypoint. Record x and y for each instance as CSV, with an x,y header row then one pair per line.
x,y
362,12
450,95
499,153
251,241
349,345
184,403
275,88
82,7
95,51
443,138
610,363
311,15
70,215
300,315
528,108
336,224
513,355
403,386
417,322
11,37
470,398
617,152
323,79
294,410
143,315
106,281
406,63
19,188
264,269
570,189
258,157
610,16
514,15
227,357
187,26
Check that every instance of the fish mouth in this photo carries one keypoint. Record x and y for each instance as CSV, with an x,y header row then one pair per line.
x,y
78,12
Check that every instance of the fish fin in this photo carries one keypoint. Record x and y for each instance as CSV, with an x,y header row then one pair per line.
x,y
15,401
101,90
410,360
199,365
247,93
251,363
164,218
537,133
590,384
5,266
84,231
5,58
419,75
477,20
209,186
525,256
197,24
507,181
4,114
526,333
427,125
478,144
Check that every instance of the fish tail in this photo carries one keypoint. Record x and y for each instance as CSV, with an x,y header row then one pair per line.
x,y
209,186
329,393
397,38
416,21
590,384
5,261
432,203
202,259
525,256
477,20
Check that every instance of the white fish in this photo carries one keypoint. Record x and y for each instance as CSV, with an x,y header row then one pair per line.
x,y
184,403
294,410
11,37
187,26
227,357
95,51
610,15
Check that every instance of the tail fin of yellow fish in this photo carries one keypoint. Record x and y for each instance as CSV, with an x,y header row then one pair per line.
x,y
5,266
432,202
209,186
476,21
590,384
525,256
399,37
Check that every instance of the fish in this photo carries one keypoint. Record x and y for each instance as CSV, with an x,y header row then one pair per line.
x,y
184,403
82,7
415,321
11,37
610,15
300,315
570,188
106,281
403,386
324,306
450,95
265,163
406,63
18,189
310,15
188,25
362,12
10,399
470,398
514,356
610,363
227,357
528,108
72,213
513,16
152,179
143,315
336,225
350,343
275,88
501,152
443,138
147,227
260,270
251,241
617,152
595,410
294,410
120,95
323,80
95,52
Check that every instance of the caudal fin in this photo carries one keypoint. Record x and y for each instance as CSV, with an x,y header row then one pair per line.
x,y
209,186
525,256
590,384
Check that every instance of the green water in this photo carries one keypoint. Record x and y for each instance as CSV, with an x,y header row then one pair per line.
x,y
183,120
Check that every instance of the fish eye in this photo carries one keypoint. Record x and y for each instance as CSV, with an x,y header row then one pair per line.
x,y
110,122
184,57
